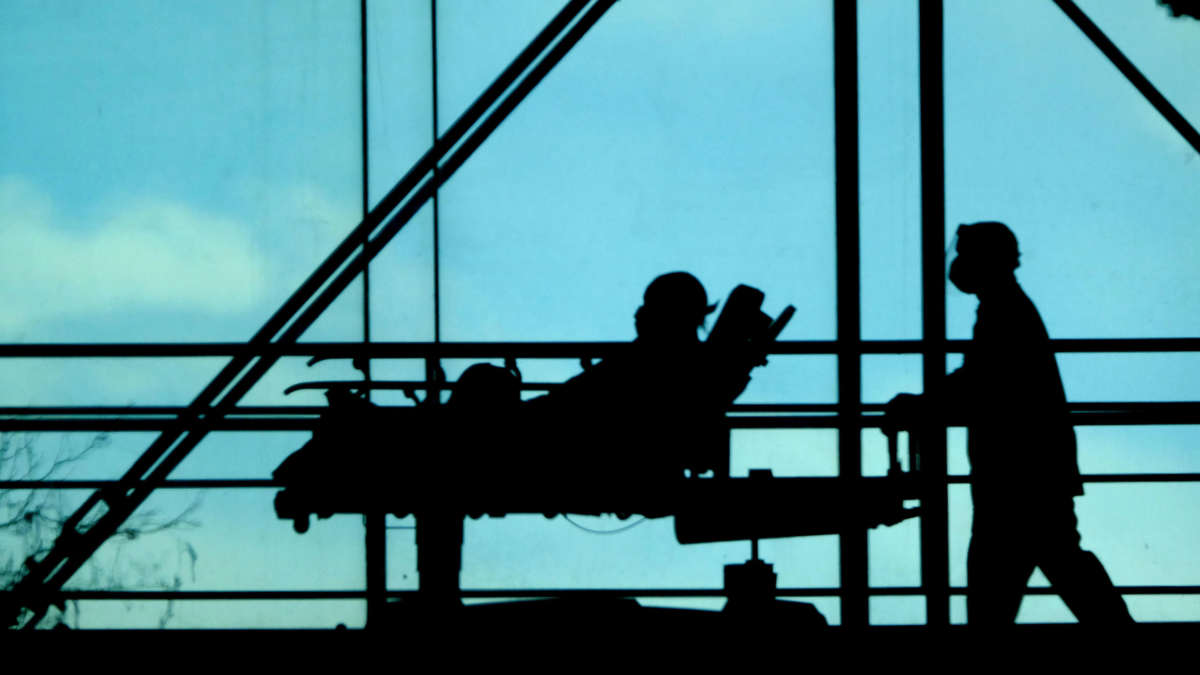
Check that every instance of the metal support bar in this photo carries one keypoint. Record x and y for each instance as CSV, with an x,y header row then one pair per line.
x,y
374,524
239,483
815,592
366,180
532,350
437,245
1135,77
935,553
853,545
794,416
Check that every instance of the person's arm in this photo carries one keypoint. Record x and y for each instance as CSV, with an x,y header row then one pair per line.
x,y
947,398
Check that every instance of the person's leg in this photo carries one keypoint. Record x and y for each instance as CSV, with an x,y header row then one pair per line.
x,y
1077,575
998,569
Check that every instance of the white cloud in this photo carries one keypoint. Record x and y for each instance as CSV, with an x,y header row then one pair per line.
x,y
156,258
148,253
302,210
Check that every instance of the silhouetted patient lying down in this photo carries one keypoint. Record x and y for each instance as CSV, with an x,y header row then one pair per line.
x,y
649,413
658,407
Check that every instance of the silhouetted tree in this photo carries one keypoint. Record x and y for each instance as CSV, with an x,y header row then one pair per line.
x,y
30,520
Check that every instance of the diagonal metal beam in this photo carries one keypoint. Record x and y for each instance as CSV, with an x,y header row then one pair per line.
x,y
1135,77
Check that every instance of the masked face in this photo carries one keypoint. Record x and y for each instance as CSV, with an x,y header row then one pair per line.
x,y
964,276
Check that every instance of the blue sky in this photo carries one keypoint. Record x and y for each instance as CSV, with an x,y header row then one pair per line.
x,y
172,172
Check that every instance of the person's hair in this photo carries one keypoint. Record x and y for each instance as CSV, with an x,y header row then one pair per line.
x,y
991,242
677,297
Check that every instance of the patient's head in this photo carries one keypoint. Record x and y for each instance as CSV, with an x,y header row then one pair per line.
x,y
673,309
484,387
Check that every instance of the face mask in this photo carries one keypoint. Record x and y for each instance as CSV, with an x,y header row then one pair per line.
x,y
961,277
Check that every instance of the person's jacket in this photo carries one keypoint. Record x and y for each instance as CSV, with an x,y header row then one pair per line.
x,y
1010,395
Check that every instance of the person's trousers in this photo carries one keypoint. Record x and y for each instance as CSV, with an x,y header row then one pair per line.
x,y
1008,542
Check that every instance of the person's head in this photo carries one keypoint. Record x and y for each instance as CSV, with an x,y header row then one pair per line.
x,y
673,309
486,388
987,256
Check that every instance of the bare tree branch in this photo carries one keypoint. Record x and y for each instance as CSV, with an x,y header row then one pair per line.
x,y
34,518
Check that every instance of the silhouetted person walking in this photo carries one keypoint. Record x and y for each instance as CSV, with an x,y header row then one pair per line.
x,y
1021,445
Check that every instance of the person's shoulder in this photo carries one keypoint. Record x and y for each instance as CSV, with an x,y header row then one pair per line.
x,y
1012,304
1015,319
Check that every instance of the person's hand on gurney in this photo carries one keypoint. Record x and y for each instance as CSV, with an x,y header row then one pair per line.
x,y
904,411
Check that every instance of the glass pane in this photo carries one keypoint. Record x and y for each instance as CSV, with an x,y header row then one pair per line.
x,y
889,170
803,562
476,41
786,452
220,614
402,554
229,539
1131,528
961,512
885,375
1164,607
400,131
1125,527
105,381
1163,48
187,170
897,611
1044,609
1145,449
526,551
1043,133
1101,449
233,455
1130,377
895,555
793,379
672,137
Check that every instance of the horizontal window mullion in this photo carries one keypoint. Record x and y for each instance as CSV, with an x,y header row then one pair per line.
x,y
554,350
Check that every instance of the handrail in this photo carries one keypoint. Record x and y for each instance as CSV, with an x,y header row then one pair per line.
x,y
265,483
531,350
794,592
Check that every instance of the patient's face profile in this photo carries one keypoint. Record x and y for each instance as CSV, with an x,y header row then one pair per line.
x,y
654,325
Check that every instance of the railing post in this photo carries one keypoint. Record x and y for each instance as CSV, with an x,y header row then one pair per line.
x,y
853,545
935,552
